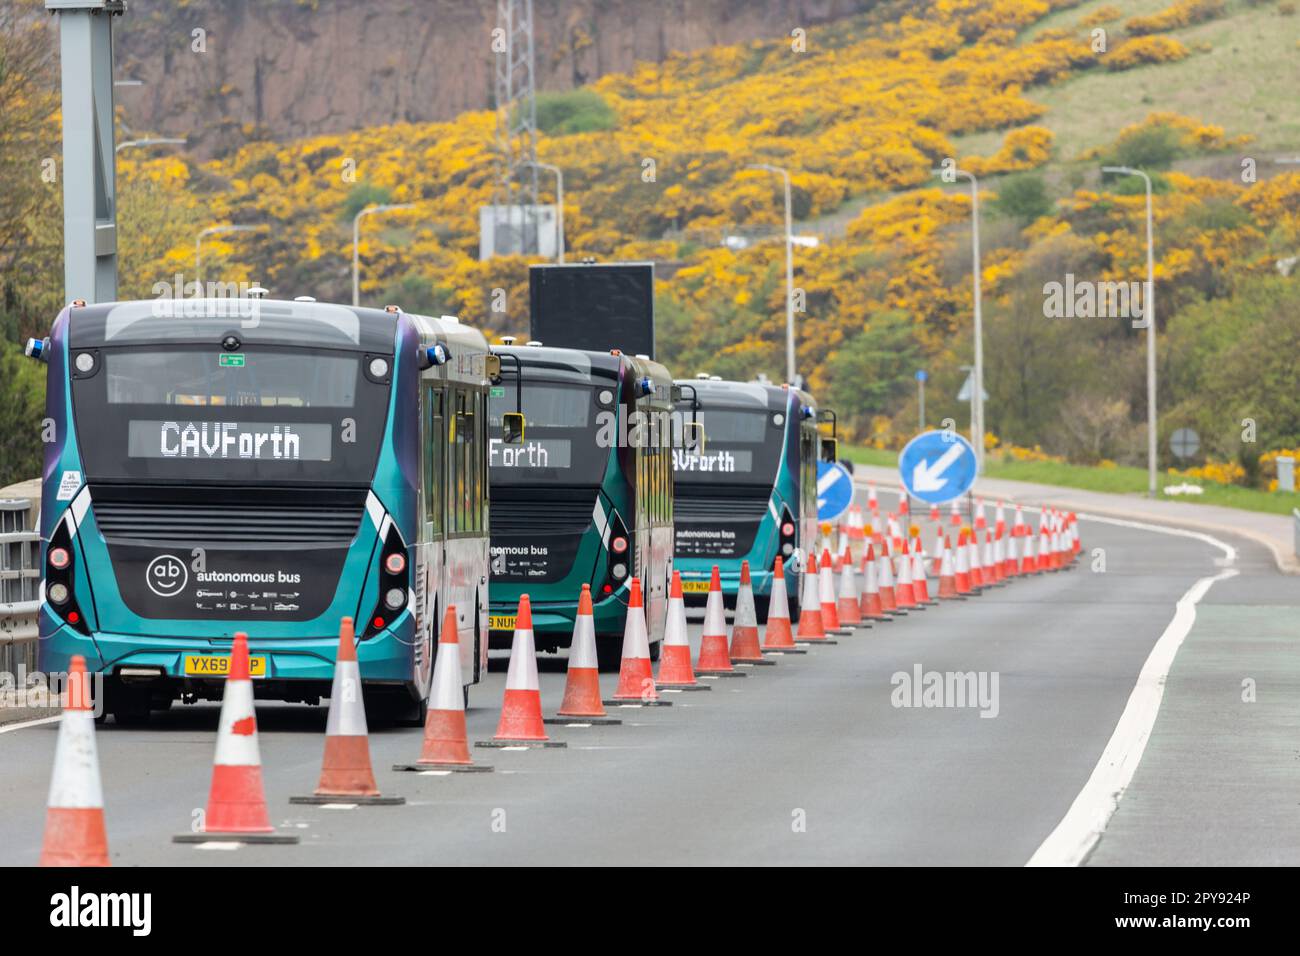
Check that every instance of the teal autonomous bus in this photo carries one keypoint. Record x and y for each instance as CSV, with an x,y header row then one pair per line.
x,y
751,494
586,495
225,465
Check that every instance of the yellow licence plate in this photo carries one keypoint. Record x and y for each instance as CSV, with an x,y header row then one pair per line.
x,y
695,587
212,665
501,622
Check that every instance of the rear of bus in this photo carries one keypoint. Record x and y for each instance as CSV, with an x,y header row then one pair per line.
x,y
750,494
565,500
223,466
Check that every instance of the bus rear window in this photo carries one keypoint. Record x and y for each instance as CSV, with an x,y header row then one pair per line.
x,y
265,378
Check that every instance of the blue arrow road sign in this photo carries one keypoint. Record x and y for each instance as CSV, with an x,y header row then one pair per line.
x,y
834,490
937,466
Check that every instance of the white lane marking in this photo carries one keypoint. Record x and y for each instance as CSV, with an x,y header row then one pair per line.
x,y
217,845
1086,820
28,723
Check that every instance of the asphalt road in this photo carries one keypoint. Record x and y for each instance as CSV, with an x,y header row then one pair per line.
x,y
805,762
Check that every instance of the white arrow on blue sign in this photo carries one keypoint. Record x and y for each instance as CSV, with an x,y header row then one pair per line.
x,y
834,490
937,466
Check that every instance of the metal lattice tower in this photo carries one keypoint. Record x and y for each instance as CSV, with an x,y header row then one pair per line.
x,y
516,103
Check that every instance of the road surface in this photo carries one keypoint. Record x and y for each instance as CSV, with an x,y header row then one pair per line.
x,y
808,761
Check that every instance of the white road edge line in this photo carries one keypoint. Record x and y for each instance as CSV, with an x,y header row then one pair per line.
x,y
1086,820
6,728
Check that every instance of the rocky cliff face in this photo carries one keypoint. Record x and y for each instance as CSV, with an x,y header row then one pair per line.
x,y
224,70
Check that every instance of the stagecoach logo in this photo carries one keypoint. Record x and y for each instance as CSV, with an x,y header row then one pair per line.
x,y
166,575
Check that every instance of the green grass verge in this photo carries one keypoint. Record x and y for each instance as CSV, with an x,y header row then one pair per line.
x,y
1119,480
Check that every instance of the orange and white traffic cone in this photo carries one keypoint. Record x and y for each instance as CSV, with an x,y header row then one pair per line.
x,y
346,775
521,723
873,504
636,683
977,582
581,703
989,566
744,627
954,514
920,586
885,581
857,533
74,815
446,742
871,608
980,521
826,594
904,592
947,575
236,801
778,638
961,576
811,628
850,596
675,669
1045,549
1028,562
1076,544
715,660
998,554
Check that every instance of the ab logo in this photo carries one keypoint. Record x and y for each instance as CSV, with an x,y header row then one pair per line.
x,y
166,575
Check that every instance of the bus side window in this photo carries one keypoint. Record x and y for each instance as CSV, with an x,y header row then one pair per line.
x,y
435,444
477,492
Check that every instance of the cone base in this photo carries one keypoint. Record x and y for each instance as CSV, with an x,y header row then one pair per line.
x,y
777,651
760,661
681,687
580,721
214,836
712,675
442,768
817,641
529,744
374,800
636,702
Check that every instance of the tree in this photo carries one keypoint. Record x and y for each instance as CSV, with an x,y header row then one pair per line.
x,y
1023,198
872,370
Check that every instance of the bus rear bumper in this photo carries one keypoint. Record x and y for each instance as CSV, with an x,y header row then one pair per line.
x,y
383,658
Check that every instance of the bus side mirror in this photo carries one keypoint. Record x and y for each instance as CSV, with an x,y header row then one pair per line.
x,y
830,449
512,428
492,366
675,394
695,437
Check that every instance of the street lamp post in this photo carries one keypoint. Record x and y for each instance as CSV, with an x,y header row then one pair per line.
x,y
559,205
356,239
1149,314
153,141
977,392
198,246
789,268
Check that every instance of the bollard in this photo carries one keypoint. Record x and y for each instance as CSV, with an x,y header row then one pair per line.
x,y
1285,473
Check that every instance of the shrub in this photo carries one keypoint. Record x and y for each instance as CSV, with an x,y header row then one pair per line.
x,y
574,111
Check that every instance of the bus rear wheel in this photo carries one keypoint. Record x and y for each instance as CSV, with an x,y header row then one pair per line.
x,y
130,706
401,708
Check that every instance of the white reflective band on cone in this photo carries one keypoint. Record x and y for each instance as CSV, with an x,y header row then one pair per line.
x,y
522,674
347,717
746,616
448,691
75,783
237,750
582,651
714,620
675,634
636,643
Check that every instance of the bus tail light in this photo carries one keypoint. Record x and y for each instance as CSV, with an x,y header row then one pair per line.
x,y
394,584
620,543
60,596
789,533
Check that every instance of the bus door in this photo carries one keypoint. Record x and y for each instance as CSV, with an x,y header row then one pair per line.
x,y
433,507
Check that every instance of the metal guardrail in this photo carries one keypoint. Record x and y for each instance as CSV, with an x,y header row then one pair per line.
x,y
20,583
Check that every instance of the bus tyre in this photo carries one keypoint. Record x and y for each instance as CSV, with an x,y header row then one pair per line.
x,y
130,705
609,653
